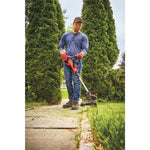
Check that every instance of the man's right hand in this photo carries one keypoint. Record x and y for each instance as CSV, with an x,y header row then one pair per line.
x,y
64,57
62,52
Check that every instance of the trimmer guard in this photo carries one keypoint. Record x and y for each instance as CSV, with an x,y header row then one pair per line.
x,y
88,102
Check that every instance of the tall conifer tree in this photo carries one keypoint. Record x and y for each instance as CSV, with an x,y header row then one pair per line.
x,y
112,47
103,51
42,58
60,19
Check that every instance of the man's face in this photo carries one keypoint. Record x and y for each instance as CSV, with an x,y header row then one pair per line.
x,y
77,26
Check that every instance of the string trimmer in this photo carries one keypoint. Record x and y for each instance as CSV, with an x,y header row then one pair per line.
x,y
92,97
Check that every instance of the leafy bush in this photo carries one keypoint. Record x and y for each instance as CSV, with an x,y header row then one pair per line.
x,y
29,95
116,90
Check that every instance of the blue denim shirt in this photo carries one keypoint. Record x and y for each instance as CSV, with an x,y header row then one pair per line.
x,y
75,43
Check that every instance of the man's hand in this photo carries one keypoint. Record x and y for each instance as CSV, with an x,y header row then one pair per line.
x,y
62,52
64,57
80,55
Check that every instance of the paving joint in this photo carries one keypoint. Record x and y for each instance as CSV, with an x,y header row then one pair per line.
x,y
86,139
51,127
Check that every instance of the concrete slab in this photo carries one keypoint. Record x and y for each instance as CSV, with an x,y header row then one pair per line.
x,y
41,131
53,122
44,139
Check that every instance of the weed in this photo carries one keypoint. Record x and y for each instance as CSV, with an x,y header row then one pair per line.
x,y
34,104
108,125
77,139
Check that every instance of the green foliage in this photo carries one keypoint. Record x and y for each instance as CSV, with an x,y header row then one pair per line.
x,y
99,26
60,20
43,62
34,104
77,139
116,90
64,94
29,95
108,125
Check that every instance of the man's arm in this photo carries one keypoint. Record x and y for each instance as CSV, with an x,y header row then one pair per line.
x,y
61,45
85,45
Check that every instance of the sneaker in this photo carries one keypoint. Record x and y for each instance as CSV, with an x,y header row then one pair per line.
x,y
75,105
68,104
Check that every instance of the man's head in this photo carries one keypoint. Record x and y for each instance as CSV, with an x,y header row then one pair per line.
x,y
77,24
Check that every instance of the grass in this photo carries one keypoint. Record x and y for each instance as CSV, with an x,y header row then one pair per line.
x,y
34,104
64,94
108,125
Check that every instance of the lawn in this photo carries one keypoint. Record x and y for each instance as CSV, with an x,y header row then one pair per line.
x,y
64,94
108,125
35,104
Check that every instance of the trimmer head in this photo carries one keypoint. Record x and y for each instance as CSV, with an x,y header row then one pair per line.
x,y
91,96
90,101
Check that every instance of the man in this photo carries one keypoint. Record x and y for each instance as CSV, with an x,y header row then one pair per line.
x,y
76,45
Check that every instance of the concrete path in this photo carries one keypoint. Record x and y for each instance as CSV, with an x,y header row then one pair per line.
x,y
53,128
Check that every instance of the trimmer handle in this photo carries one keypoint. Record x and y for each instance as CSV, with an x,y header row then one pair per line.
x,y
74,58
70,62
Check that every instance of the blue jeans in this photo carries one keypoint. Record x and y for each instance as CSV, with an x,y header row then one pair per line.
x,y
73,82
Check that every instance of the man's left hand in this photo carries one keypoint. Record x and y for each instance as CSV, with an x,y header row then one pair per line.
x,y
80,55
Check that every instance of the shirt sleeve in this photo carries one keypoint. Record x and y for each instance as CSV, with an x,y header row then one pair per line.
x,y
85,45
62,43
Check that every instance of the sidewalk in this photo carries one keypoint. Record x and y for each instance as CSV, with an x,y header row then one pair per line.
x,y
52,128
